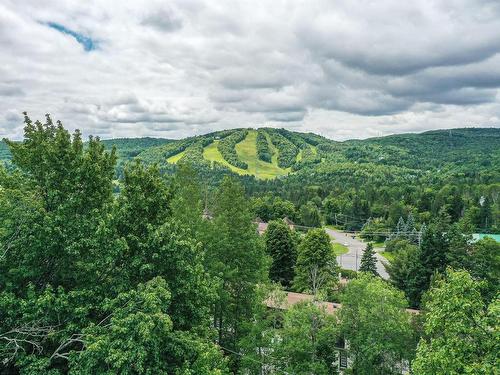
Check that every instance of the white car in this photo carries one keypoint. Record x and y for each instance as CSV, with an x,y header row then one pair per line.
x,y
346,244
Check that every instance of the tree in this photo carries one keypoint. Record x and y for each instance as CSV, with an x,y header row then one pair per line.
x,y
316,263
369,261
234,255
405,272
461,332
309,215
60,222
484,264
306,342
137,337
83,275
280,245
374,322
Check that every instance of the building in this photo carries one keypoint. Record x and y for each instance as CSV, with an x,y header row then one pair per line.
x,y
480,236
344,362
262,225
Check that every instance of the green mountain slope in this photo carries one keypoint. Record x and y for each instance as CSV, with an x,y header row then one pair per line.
x,y
269,153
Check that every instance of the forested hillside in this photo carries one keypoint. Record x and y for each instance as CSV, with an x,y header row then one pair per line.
x,y
169,275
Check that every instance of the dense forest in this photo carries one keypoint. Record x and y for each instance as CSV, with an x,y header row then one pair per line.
x,y
142,256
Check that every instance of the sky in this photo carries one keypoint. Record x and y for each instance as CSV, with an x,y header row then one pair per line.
x,y
343,69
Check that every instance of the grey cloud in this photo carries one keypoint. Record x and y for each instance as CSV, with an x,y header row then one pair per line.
x,y
344,69
163,19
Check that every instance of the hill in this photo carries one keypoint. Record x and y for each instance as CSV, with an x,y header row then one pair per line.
x,y
267,153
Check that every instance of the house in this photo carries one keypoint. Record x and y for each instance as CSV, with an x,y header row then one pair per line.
x,y
262,225
343,362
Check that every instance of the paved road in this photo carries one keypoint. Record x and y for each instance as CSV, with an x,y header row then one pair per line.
x,y
352,259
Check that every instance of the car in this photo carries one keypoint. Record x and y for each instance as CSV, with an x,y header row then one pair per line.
x,y
346,244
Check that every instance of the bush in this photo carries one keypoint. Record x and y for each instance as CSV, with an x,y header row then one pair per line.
x,y
227,149
348,274
263,151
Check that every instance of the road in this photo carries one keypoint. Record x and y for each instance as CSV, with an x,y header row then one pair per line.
x,y
352,259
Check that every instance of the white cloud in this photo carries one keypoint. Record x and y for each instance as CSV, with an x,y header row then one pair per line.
x,y
345,68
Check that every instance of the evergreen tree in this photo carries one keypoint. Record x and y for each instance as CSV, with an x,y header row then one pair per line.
x,y
406,272
236,256
309,215
280,245
316,263
400,227
369,261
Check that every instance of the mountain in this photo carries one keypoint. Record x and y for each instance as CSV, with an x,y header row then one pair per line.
x,y
267,153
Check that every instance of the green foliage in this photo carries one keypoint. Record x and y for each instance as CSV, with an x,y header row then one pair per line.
x,y
407,274
273,208
227,145
369,261
374,322
235,254
281,247
484,264
315,271
287,151
306,342
309,215
461,332
84,274
263,151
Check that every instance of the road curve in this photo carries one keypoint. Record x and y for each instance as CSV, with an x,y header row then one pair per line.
x,y
352,259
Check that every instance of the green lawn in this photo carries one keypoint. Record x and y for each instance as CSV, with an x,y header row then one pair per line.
x,y
339,249
175,158
387,255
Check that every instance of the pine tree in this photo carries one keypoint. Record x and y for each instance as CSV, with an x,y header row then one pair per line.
x,y
280,245
316,263
369,261
400,227
236,256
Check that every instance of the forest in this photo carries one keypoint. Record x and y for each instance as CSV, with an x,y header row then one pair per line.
x,y
117,259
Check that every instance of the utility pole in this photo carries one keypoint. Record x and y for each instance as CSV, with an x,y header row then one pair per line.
x,y
356,259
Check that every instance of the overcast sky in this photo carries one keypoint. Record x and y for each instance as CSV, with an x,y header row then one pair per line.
x,y
343,69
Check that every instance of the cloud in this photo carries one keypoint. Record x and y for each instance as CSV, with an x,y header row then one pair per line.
x,y
345,68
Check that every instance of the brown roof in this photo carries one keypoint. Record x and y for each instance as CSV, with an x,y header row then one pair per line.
x,y
293,298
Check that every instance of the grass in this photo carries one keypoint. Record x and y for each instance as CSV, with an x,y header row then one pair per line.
x,y
339,249
175,158
379,244
387,255
211,153
247,152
